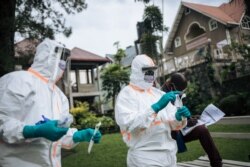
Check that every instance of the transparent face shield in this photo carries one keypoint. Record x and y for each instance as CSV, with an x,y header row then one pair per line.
x,y
64,55
149,74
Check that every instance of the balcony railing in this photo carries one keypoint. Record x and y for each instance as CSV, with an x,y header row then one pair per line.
x,y
177,63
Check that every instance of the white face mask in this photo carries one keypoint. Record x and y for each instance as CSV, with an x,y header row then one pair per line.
x,y
149,76
62,65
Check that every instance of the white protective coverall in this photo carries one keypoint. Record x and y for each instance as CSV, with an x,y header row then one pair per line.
x,y
147,134
24,97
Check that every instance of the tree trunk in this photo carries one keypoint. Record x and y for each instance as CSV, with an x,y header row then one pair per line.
x,y
7,32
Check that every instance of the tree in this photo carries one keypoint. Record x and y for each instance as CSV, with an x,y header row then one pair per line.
x,y
32,19
152,36
114,76
152,22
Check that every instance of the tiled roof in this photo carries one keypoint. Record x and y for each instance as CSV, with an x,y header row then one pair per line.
x,y
235,9
78,54
216,13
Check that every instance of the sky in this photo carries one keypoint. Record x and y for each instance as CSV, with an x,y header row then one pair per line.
x,y
104,22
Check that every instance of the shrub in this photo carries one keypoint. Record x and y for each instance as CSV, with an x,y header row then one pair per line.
x,y
85,119
232,105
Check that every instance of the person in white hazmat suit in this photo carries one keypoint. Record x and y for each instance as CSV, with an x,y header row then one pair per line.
x,y
34,112
146,117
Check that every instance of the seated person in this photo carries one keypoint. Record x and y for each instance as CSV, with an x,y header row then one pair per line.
x,y
177,81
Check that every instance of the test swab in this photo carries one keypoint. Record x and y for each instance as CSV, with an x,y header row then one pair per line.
x,y
91,143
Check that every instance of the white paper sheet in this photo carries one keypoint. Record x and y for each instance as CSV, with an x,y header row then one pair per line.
x,y
209,116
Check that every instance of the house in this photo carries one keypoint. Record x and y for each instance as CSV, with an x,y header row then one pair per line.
x,y
130,52
200,29
83,82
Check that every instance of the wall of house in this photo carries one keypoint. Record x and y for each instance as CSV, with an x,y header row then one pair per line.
x,y
216,35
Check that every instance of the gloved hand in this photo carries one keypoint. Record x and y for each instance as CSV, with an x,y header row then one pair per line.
x,y
86,135
193,120
48,130
164,100
182,112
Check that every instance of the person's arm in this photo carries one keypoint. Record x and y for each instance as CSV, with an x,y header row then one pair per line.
x,y
169,115
74,136
13,93
128,115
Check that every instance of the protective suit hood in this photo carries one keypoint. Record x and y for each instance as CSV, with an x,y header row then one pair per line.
x,y
46,61
137,75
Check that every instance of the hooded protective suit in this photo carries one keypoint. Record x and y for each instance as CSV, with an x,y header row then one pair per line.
x,y
26,96
146,133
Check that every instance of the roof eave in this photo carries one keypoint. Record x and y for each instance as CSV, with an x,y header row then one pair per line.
x,y
174,28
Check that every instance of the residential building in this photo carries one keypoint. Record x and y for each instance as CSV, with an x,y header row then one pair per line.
x,y
201,29
130,52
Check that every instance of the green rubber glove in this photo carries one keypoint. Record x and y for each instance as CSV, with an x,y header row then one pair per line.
x,y
164,100
182,112
86,135
48,130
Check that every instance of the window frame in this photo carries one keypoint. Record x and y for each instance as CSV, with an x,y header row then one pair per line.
x,y
177,43
187,11
210,23
248,22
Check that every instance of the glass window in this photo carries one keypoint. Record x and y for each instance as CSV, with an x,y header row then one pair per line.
x,y
177,42
86,77
187,11
83,77
213,25
245,23
72,77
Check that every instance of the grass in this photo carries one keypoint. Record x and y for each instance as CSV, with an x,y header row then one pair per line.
x,y
111,152
229,128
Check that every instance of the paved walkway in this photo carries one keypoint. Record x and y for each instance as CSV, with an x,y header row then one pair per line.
x,y
239,120
204,162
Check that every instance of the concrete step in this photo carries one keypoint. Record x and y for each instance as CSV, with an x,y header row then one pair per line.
x,y
230,135
203,161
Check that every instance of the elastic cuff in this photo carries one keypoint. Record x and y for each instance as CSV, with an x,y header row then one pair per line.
x,y
155,107
28,132
76,137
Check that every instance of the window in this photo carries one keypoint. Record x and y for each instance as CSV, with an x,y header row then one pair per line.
x,y
85,77
177,42
245,23
218,53
187,11
212,25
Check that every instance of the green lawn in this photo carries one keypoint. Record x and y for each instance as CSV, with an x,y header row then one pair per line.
x,y
229,128
111,152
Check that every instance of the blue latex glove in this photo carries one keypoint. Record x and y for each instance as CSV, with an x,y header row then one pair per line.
x,y
182,112
86,135
48,130
43,121
164,100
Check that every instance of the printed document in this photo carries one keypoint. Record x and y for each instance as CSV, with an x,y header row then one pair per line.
x,y
209,116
